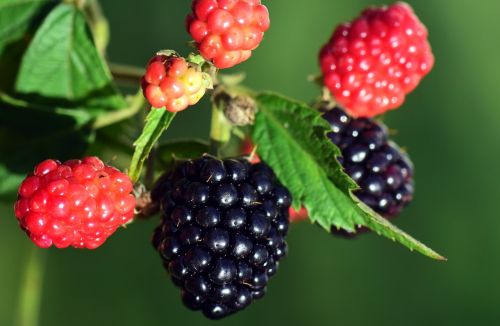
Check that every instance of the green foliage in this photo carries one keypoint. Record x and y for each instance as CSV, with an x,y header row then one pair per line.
x,y
24,141
291,137
157,121
18,22
62,60
16,17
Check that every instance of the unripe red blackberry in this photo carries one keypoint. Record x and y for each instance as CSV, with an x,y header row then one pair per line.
x,y
173,83
383,172
226,32
222,233
79,203
371,63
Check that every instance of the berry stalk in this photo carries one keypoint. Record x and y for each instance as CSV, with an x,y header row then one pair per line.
x,y
28,309
136,104
131,75
220,129
98,24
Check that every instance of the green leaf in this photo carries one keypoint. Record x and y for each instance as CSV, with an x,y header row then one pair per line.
x,y
291,137
18,22
62,60
83,113
16,17
157,121
81,116
30,135
169,151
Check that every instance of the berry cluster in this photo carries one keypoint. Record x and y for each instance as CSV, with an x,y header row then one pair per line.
x,y
79,203
226,31
383,172
222,233
370,64
173,83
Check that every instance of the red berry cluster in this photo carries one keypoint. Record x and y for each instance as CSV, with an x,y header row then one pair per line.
x,y
370,64
173,83
226,31
79,203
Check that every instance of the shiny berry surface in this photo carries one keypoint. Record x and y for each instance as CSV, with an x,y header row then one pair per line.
x,y
226,32
173,83
222,233
383,172
79,203
372,63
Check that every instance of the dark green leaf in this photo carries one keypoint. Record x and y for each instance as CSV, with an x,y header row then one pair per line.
x,y
18,22
82,116
10,60
17,16
157,121
29,136
62,60
291,137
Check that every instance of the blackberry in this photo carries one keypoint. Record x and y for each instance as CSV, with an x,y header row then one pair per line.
x,y
383,172
222,233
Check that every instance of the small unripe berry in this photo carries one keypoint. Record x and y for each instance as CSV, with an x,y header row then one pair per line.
x,y
173,83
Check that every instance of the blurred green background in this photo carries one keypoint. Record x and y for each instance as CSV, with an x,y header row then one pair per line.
x,y
449,125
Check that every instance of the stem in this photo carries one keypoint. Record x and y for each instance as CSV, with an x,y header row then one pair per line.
x,y
137,102
125,73
28,310
220,129
98,23
239,133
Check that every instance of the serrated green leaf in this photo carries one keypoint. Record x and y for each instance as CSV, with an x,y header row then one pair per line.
x,y
29,136
62,60
157,121
291,137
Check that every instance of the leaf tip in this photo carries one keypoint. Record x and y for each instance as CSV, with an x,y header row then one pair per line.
x,y
440,258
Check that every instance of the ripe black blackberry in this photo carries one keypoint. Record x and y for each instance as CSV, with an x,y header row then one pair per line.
x,y
383,172
222,233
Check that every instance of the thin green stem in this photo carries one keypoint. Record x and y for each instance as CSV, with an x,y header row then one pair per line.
x,y
239,133
98,23
128,74
220,129
28,310
136,103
